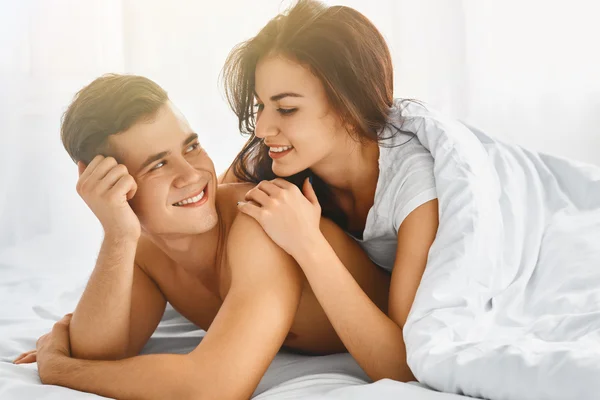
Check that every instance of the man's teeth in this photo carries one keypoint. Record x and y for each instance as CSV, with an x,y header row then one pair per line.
x,y
280,149
191,200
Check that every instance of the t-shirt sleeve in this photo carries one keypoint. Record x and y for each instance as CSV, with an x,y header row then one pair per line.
x,y
414,185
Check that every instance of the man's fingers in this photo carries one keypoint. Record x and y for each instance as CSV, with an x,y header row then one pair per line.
x,y
126,184
94,173
112,177
132,191
22,355
62,324
81,168
88,169
41,341
66,317
28,359
103,168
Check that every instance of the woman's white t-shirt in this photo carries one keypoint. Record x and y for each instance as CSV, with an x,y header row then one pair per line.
x,y
405,182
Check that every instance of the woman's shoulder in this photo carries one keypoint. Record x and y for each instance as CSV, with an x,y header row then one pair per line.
x,y
406,176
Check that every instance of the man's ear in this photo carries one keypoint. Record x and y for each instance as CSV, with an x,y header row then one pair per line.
x,y
81,167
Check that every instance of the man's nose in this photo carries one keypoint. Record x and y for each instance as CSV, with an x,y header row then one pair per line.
x,y
186,174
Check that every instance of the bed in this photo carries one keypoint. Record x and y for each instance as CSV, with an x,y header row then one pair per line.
x,y
39,284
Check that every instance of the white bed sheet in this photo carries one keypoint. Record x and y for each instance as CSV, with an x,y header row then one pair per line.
x,y
38,285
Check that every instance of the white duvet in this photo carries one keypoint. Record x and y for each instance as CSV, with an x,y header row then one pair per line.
x,y
509,305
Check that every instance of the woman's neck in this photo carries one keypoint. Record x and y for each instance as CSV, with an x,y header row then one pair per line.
x,y
351,171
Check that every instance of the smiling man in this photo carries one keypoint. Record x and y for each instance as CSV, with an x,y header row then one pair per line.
x,y
172,234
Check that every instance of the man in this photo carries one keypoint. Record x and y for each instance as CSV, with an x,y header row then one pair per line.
x,y
172,234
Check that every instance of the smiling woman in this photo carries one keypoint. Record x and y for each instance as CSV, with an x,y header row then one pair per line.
x,y
300,75
322,79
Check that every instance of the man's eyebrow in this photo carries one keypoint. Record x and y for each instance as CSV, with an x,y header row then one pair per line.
x,y
152,158
190,139
163,154
280,96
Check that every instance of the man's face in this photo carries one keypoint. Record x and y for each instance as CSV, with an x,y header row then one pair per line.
x,y
176,178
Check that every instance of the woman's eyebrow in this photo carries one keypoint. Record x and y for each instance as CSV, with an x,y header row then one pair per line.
x,y
280,96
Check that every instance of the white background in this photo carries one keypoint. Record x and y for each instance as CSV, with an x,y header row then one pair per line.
x,y
525,71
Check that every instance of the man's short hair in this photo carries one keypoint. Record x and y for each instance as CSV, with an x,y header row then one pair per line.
x,y
109,105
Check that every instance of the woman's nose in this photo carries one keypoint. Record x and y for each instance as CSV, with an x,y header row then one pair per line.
x,y
266,126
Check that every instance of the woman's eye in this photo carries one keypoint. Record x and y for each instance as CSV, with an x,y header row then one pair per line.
x,y
286,111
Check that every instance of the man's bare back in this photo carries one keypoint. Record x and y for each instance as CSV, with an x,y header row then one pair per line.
x,y
199,301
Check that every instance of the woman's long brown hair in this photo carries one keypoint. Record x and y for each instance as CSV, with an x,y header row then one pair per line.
x,y
345,51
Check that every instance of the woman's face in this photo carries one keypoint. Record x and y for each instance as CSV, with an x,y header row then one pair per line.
x,y
294,117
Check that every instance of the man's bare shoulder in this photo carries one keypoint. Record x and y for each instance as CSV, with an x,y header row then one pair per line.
x,y
228,195
232,192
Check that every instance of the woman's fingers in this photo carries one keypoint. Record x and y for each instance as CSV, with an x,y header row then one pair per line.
x,y
250,209
269,188
258,196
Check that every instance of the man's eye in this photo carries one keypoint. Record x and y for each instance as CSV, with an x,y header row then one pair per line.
x,y
159,165
192,147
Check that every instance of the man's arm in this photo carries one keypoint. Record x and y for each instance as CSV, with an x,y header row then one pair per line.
x,y
119,309
249,329
121,306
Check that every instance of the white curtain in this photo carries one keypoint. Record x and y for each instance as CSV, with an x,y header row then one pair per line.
x,y
525,71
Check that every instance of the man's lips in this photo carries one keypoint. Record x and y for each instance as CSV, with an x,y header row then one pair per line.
x,y
203,192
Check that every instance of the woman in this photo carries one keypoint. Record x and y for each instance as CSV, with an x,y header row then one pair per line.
x,y
314,89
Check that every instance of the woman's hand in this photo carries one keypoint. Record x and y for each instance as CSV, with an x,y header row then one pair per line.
x,y
290,217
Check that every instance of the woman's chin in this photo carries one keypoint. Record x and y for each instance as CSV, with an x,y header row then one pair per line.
x,y
284,171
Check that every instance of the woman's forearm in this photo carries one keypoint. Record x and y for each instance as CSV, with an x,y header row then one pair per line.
x,y
374,340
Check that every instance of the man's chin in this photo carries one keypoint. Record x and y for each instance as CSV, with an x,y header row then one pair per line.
x,y
200,223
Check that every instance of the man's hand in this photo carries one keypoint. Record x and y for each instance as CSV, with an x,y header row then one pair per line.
x,y
31,356
26,358
106,187
52,348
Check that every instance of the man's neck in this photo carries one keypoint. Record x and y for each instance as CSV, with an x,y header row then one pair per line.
x,y
199,254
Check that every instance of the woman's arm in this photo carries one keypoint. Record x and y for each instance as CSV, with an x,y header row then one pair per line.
x,y
373,338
